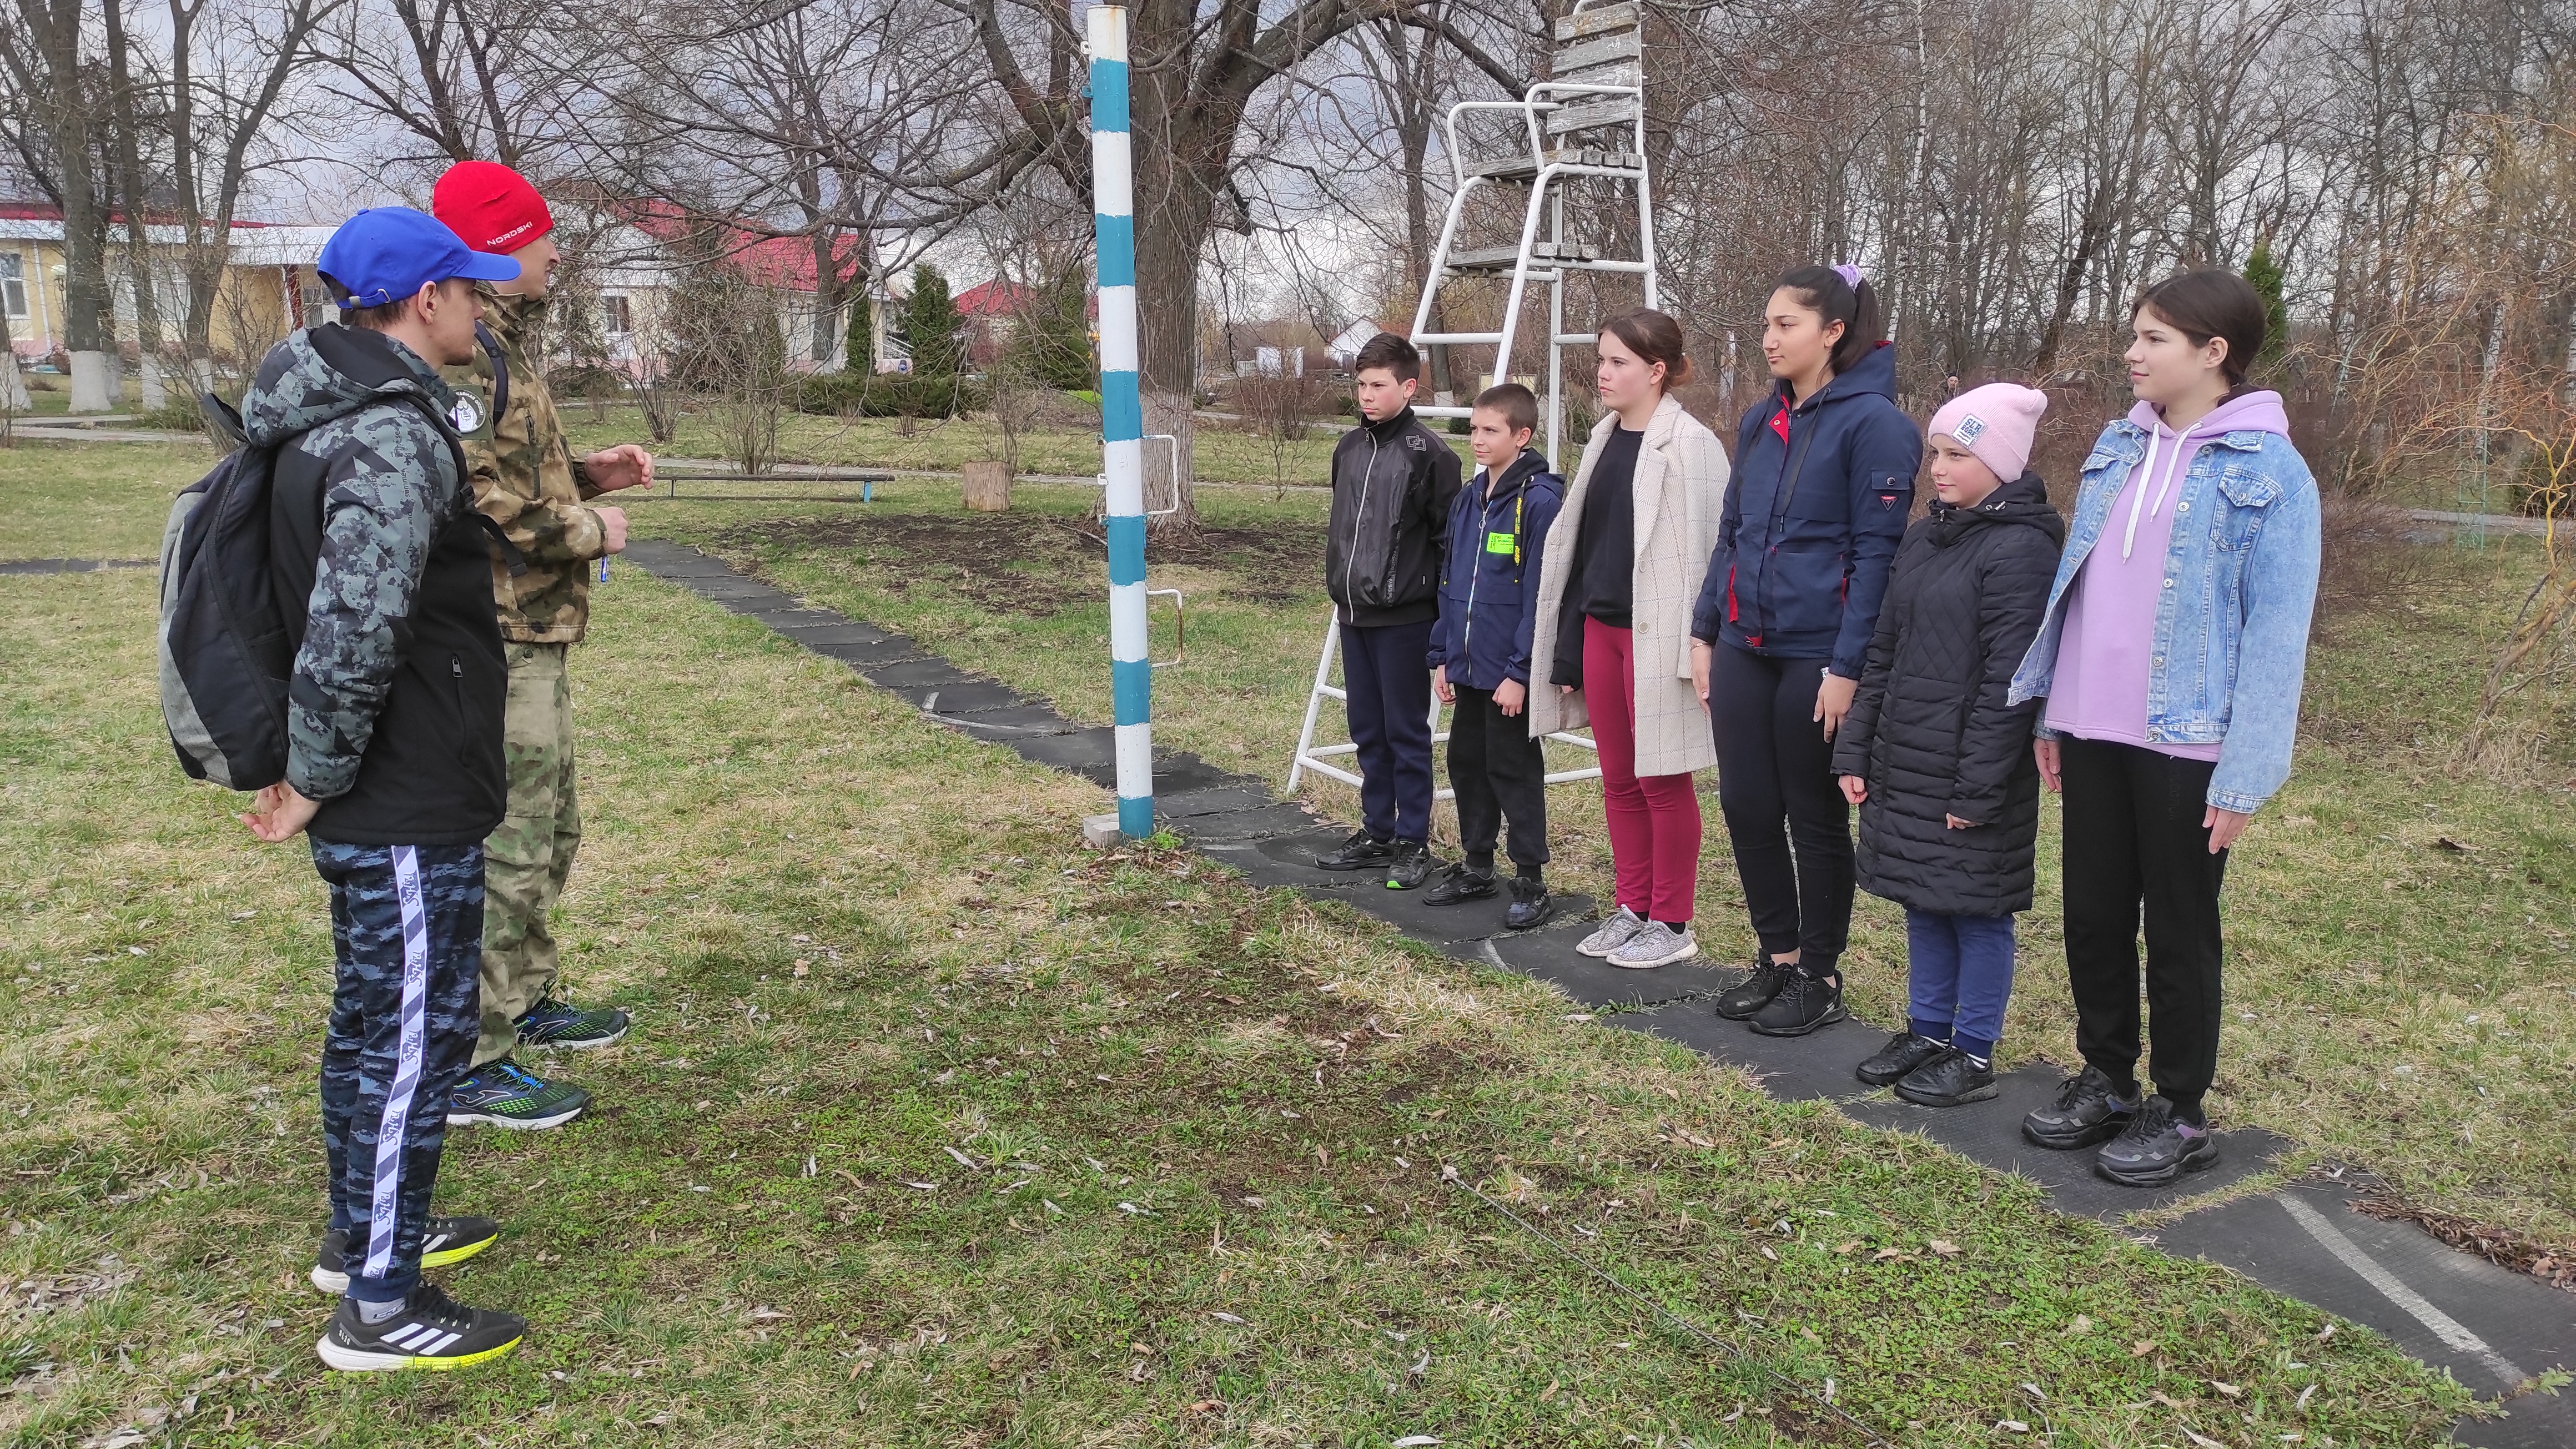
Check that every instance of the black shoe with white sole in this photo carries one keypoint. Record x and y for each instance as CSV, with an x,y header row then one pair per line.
x,y
1903,1053
449,1240
1755,991
2155,1148
1805,1003
1950,1079
432,1331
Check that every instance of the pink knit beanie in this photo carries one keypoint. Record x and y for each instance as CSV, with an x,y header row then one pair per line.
x,y
1995,422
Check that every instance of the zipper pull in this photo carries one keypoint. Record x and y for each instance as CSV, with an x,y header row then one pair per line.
x,y
455,667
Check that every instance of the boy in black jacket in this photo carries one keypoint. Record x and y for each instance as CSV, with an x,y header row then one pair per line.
x,y
394,761
1393,482
1936,758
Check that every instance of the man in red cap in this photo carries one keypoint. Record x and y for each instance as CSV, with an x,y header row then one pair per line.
x,y
527,481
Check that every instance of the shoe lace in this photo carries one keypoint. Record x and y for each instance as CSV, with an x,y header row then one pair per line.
x,y
515,1073
430,1304
2076,1088
1794,990
2150,1123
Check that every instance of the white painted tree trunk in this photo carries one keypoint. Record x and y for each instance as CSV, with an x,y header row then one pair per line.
x,y
155,393
91,380
13,386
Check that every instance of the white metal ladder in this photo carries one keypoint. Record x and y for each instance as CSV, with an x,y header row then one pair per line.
x,y
1588,119
1311,756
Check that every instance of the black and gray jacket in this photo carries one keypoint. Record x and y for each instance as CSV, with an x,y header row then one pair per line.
x,y
1393,483
394,709
1930,729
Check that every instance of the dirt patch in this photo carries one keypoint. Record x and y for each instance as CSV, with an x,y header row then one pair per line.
x,y
1032,565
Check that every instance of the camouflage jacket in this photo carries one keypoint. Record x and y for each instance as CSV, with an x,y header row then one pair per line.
x,y
389,489
527,481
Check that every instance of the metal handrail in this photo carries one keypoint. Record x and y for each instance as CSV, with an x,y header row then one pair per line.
x,y
1180,628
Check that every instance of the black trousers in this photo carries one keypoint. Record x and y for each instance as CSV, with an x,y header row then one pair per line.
x,y
1389,689
2134,838
1499,773
1774,764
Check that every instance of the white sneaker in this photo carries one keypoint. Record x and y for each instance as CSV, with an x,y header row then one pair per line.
x,y
1614,933
1655,944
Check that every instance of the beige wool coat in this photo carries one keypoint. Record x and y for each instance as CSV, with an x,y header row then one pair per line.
x,y
1679,491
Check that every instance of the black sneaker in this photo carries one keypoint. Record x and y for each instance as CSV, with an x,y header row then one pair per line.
x,y
552,1023
432,1331
1459,884
1903,1053
1362,851
1411,867
2088,1110
1951,1079
2155,1148
1530,904
1756,991
1805,1003
505,1094
449,1240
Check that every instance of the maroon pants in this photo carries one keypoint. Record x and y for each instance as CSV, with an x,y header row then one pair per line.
x,y
1653,819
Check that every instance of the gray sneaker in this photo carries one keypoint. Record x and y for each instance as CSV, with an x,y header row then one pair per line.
x,y
1612,935
1655,944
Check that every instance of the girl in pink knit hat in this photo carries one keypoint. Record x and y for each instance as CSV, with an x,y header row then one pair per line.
x,y
1937,760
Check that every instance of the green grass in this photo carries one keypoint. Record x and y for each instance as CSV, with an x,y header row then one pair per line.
x,y
2394,1002
1225,452
858,947
109,499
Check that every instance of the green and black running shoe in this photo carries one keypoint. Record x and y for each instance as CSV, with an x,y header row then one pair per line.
x,y
507,1095
560,1024
432,1331
449,1240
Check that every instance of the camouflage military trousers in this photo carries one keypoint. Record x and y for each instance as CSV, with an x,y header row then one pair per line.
x,y
529,857
406,925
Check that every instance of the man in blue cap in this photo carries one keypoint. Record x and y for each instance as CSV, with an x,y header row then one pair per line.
x,y
394,763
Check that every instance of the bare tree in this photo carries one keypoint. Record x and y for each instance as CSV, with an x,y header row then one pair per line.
x,y
48,69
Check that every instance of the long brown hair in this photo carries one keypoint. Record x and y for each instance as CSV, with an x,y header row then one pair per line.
x,y
1656,338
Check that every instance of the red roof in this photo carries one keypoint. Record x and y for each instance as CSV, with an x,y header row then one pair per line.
x,y
996,298
767,260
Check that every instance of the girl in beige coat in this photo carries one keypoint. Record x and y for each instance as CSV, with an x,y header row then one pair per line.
x,y
1622,566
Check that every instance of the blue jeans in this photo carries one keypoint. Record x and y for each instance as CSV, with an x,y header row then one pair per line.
x,y
407,932
1961,972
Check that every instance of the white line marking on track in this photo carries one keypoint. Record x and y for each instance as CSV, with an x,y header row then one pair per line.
x,y
2446,1328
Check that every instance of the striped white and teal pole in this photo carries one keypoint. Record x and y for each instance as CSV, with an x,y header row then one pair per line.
x,y
1122,419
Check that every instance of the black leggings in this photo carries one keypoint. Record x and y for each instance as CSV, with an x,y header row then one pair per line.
x,y
1774,764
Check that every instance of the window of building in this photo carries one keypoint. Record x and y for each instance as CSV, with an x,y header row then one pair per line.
x,y
615,319
13,284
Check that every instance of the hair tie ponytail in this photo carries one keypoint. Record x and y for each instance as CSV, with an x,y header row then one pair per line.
x,y
1849,273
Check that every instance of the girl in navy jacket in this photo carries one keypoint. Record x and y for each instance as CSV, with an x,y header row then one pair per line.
x,y
1824,471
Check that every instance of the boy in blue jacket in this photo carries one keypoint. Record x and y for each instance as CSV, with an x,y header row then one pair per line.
x,y
1480,654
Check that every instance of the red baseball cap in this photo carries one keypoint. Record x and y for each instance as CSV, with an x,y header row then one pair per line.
x,y
491,206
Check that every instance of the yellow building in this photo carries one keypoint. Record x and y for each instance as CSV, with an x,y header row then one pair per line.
x,y
268,287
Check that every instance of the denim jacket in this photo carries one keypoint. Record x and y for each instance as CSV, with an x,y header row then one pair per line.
x,y
2231,640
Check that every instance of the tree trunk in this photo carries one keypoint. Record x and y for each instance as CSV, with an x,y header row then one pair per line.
x,y
1180,161
55,26
129,184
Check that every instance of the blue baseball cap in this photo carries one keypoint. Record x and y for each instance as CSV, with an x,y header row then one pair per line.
x,y
387,253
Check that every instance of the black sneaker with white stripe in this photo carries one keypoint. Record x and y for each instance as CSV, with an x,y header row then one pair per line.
x,y
432,1331
449,1240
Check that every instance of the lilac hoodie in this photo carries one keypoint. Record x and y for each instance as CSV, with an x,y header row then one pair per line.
x,y
2110,632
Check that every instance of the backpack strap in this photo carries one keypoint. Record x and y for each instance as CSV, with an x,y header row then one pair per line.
x,y
500,369
502,548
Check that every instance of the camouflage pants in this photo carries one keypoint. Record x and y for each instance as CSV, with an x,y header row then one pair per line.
x,y
405,924
529,857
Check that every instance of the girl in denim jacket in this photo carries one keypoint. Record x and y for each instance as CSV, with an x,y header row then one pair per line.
x,y
2170,659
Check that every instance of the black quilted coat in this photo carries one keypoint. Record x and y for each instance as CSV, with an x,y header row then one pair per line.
x,y
1929,730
